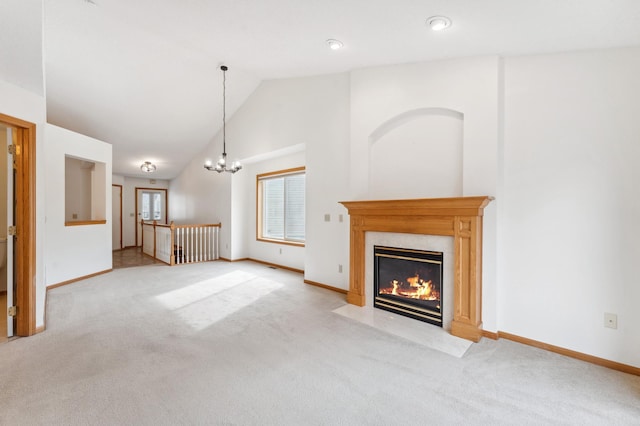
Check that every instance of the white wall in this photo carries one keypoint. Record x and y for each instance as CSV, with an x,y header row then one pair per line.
x,y
19,103
21,22
571,206
73,251
467,86
418,158
99,189
327,179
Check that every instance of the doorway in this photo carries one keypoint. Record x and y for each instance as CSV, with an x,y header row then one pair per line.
x,y
151,204
20,247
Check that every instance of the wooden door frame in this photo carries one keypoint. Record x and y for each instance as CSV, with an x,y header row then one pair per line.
x,y
166,207
121,189
25,220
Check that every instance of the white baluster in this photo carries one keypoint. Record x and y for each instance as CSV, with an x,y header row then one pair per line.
x,y
190,243
209,243
198,259
181,245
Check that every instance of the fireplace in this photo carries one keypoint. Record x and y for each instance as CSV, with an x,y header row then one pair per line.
x,y
460,218
409,282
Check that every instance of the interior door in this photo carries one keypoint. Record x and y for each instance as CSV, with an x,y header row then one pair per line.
x,y
151,204
116,217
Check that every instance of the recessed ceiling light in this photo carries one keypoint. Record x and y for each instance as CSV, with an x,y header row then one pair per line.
x,y
334,44
438,23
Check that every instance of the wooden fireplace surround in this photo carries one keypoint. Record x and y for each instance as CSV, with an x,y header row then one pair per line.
x,y
460,218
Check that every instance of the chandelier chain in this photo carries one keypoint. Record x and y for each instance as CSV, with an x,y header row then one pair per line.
x,y
224,110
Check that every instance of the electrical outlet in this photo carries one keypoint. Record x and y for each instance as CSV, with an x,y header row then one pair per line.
x,y
280,251
340,269
340,218
327,217
610,320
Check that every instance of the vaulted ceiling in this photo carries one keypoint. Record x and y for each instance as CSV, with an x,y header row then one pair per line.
x,y
144,75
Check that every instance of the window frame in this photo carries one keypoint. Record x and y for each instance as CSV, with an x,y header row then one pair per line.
x,y
274,175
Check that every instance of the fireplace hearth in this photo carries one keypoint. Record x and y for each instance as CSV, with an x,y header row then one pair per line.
x,y
409,282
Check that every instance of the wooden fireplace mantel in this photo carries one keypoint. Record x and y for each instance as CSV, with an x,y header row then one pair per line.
x,y
460,218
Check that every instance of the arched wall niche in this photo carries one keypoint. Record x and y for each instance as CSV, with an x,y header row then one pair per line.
x,y
417,154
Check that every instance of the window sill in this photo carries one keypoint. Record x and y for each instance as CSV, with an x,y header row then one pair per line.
x,y
86,222
286,243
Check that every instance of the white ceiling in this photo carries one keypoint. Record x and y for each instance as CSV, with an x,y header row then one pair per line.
x,y
144,75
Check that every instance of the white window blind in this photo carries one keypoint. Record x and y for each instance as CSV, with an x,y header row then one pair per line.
x,y
282,211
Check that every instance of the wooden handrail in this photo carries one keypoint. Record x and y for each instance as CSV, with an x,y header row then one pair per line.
x,y
155,224
218,225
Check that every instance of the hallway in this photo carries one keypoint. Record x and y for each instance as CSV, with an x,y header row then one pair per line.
x,y
132,256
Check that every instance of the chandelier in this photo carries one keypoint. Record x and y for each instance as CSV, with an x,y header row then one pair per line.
x,y
221,165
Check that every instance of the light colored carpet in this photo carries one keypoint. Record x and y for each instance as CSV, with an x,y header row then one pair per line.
x,y
240,343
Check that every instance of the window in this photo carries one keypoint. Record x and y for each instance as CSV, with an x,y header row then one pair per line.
x,y
281,200
151,205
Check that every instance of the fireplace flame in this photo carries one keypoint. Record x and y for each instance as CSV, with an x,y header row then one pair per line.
x,y
417,288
